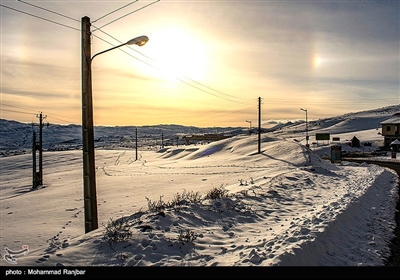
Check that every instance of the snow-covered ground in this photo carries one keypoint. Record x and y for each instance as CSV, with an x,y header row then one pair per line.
x,y
217,204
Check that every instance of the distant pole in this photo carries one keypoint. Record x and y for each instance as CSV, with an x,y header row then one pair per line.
x,y
162,140
259,125
249,126
34,147
307,145
41,148
307,137
136,142
89,170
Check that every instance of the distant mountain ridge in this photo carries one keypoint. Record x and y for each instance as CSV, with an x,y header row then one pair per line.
x,y
17,137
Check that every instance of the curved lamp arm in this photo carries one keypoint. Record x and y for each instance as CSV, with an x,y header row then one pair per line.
x,y
140,41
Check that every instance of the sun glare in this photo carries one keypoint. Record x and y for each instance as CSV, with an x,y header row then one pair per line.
x,y
317,60
178,54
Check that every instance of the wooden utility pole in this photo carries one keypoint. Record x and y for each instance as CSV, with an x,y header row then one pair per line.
x,y
259,125
136,143
41,148
38,175
89,171
35,182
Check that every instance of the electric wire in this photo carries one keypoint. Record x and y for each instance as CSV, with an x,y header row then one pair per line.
x,y
213,94
213,115
124,51
42,18
111,44
52,117
180,79
126,15
48,10
115,11
2,104
155,67
49,114
216,90
337,102
99,28
14,111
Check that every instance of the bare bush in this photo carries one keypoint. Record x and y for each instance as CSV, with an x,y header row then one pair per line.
x,y
187,236
186,198
117,231
156,206
217,193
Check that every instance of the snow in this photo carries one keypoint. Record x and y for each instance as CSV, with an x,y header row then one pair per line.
x,y
286,206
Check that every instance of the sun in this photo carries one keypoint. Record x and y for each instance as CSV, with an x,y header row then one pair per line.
x,y
176,54
317,61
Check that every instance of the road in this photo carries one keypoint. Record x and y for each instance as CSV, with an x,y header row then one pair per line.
x,y
391,164
394,260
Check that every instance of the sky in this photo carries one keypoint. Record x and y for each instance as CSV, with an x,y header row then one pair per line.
x,y
206,63
285,206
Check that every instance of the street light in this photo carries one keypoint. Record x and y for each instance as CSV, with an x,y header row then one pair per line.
x,y
140,41
305,110
250,123
249,126
89,171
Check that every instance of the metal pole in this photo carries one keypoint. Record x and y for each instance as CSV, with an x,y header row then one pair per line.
x,y
307,145
89,171
305,110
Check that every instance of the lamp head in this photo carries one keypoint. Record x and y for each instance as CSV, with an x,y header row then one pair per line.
x,y
140,41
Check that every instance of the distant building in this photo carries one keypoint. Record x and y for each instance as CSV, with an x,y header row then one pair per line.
x,y
205,137
355,142
395,145
391,129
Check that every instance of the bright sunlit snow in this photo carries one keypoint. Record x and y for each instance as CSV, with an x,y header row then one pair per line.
x,y
285,206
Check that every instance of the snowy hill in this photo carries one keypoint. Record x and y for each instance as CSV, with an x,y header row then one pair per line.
x,y
217,204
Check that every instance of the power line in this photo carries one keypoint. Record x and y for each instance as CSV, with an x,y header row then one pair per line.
x,y
206,91
110,44
217,113
160,70
115,11
181,80
336,102
365,101
67,121
99,28
120,42
127,14
16,111
48,10
2,104
40,17
122,50
216,90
